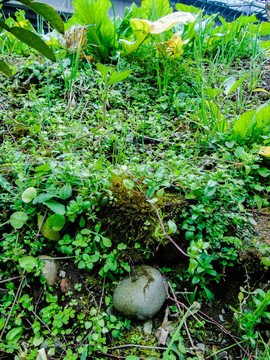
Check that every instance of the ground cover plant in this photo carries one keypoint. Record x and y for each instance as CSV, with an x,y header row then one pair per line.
x,y
147,142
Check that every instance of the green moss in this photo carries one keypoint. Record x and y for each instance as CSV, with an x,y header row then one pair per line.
x,y
136,336
129,218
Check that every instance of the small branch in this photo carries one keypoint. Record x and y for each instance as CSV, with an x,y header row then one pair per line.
x,y
14,278
137,346
10,133
259,212
101,297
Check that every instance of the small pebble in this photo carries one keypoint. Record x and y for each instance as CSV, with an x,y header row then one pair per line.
x,y
221,318
65,285
62,274
148,327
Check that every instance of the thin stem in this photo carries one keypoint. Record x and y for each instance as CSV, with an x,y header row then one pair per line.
x,y
13,304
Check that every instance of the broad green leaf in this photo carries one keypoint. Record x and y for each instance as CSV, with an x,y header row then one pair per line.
x,y
18,219
41,198
104,71
101,34
264,28
106,242
65,192
4,25
262,117
266,261
56,207
155,9
264,172
43,168
209,191
38,340
242,124
194,194
187,8
265,44
160,193
189,235
49,14
239,151
230,144
6,185
116,77
265,151
14,334
28,263
150,192
29,194
192,265
172,226
128,183
231,84
56,222
33,40
209,294
48,232
132,357
5,69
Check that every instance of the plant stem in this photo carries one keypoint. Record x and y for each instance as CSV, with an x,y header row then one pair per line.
x,y
13,304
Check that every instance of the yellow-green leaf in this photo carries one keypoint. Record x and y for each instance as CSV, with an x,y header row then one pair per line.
x,y
265,151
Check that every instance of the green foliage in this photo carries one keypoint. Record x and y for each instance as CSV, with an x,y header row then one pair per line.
x,y
101,201
109,77
154,10
101,31
29,37
252,312
252,123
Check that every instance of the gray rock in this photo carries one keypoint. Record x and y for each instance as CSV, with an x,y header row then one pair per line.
x,y
50,269
148,327
141,295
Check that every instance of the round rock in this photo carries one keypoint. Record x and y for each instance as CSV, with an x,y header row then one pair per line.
x,y
50,269
141,295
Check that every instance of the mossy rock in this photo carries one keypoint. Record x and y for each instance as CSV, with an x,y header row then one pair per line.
x,y
131,219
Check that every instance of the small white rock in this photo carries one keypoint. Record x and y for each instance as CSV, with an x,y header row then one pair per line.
x,y
50,269
62,274
148,327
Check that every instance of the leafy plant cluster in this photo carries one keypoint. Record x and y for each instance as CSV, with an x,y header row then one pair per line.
x,y
103,164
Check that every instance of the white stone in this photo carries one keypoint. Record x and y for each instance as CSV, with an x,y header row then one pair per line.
x,y
141,295
50,269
